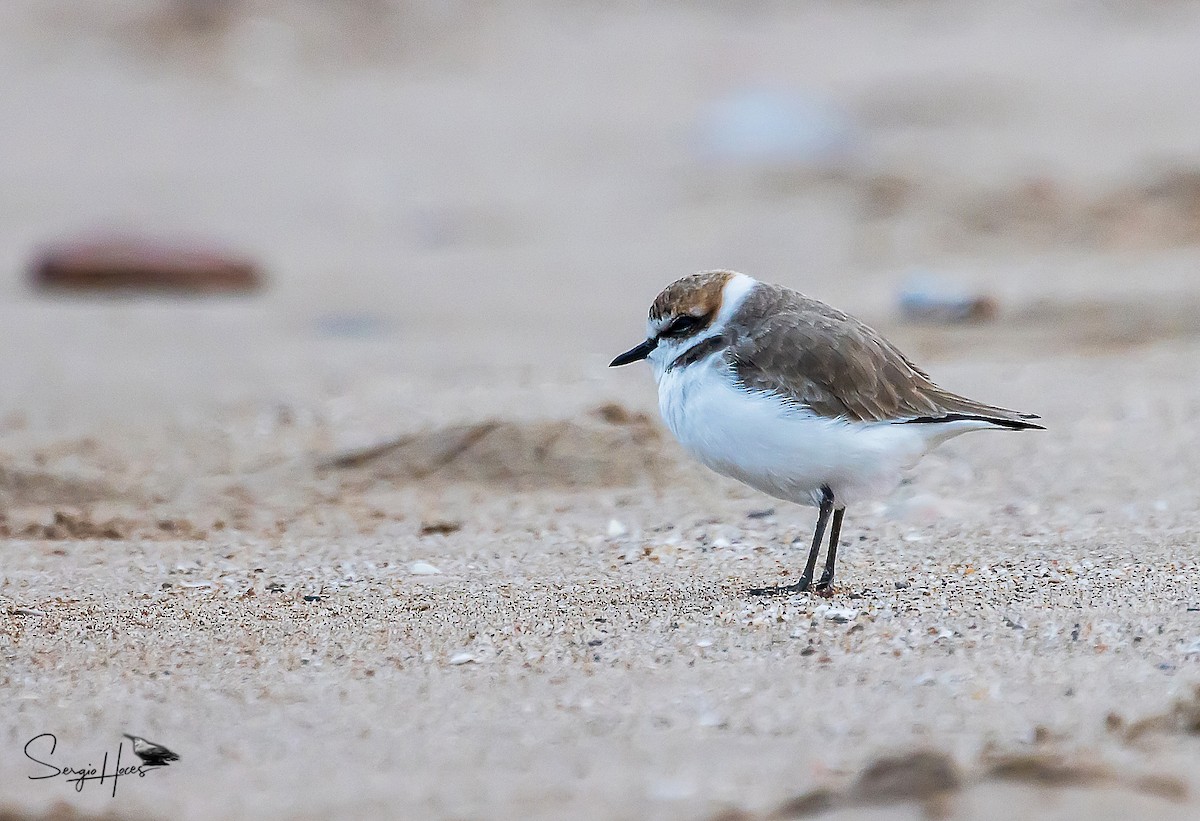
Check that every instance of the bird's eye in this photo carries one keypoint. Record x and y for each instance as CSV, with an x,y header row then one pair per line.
x,y
681,325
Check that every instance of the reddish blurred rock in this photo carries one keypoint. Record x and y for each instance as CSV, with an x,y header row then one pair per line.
x,y
139,263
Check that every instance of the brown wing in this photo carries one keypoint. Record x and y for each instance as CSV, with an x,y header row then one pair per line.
x,y
825,360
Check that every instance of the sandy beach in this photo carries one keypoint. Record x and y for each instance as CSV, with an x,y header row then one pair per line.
x,y
389,540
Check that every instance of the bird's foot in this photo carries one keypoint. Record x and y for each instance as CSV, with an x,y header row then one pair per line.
x,y
783,590
824,587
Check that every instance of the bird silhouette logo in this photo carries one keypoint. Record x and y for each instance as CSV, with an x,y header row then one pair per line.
x,y
155,755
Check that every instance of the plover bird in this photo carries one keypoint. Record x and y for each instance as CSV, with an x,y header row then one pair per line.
x,y
153,754
795,398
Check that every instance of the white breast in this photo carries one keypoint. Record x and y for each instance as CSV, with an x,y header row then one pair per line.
x,y
784,451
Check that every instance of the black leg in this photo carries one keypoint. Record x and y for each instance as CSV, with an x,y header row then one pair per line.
x,y
835,532
810,566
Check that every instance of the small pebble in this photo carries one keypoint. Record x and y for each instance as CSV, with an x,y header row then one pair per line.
x,y
841,615
440,527
616,530
421,568
462,658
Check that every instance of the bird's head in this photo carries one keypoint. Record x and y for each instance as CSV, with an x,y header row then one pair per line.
x,y
685,312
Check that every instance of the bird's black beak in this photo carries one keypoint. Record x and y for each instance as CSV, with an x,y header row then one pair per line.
x,y
634,354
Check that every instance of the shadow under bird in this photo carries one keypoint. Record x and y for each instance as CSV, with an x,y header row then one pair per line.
x,y
796,399
154,754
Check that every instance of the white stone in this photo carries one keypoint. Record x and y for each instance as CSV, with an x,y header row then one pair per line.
x,y
841,615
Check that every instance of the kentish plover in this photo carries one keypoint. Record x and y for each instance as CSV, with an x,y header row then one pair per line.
x,y
796,398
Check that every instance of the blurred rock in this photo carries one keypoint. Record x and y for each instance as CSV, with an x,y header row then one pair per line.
x,y
351,325
142,263
67,525
200,15
762,128
439,527
929,299
922,776
915,776
1047,769
21,486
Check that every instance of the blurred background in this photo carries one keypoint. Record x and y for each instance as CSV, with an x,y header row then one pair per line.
x,y
452,211
444,173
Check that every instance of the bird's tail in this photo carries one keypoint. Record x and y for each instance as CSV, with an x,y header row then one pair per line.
x,y
954,408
